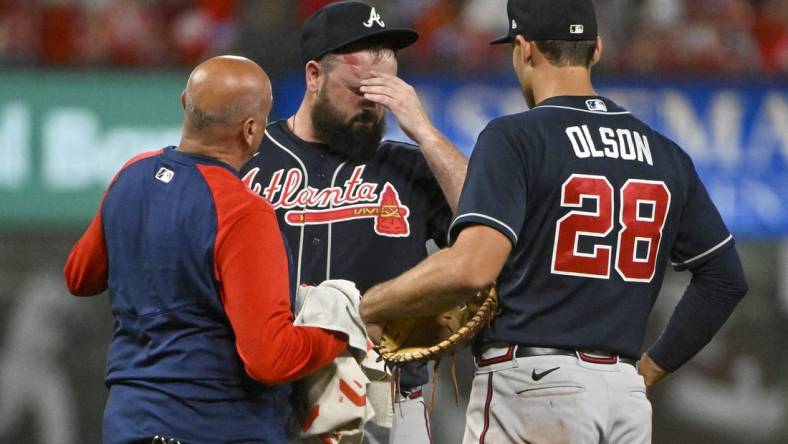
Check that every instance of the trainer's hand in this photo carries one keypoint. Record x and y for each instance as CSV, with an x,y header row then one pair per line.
x,y
652,373
402,100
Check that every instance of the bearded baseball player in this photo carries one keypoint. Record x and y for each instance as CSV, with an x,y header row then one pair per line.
x,y
353,207
576,208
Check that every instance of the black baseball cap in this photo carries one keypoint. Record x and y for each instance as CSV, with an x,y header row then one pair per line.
x,y
550,20
340,24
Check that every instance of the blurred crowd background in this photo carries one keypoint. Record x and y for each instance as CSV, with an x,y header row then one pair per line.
x,y
723,37
87,84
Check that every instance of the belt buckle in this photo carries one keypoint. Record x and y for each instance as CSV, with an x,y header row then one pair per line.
x,y
597,358
506,354
158,439
412,393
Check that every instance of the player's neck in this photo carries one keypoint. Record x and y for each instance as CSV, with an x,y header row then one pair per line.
x,y
300,123
562,81
215,150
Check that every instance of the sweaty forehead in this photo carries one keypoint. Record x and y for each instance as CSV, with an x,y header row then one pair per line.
x,y
360,63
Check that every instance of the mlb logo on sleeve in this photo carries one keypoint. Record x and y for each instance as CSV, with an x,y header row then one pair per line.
x,y
596,105
165,175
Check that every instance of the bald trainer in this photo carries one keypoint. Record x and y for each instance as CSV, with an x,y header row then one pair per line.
x,y
203,342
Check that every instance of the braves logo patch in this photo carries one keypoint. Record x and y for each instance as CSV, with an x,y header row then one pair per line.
x,y
356,199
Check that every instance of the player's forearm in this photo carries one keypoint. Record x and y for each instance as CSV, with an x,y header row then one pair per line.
x,y
446,162
715,290
434,286
443,280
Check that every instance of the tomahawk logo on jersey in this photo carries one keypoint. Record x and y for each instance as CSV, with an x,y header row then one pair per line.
x,y
364,221
598,208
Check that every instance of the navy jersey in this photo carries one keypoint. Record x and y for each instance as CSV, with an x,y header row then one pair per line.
x,y
366,222
596,204
361,221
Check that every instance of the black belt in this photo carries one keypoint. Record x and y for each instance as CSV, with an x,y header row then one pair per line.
x,y
522,351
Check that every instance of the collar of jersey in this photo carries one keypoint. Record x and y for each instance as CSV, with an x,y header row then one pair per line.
x,y
579,103
170,153
283,127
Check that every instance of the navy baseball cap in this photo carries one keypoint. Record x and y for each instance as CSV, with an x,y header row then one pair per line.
x,y
550,20
340,24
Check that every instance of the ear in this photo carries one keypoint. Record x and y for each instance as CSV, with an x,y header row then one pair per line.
x,y
526,50
183,100
313,73
249,131
597,51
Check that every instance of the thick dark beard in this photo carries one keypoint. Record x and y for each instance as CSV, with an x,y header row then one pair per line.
x,y
348,140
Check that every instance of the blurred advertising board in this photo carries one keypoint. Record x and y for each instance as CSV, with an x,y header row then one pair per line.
x,y
63,135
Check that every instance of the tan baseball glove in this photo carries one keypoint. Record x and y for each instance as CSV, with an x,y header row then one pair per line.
x,y
430,338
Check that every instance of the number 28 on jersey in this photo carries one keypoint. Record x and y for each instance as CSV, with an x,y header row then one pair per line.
x,y
642,211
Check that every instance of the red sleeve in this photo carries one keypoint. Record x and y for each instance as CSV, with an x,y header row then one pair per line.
x,y
86,267
252,269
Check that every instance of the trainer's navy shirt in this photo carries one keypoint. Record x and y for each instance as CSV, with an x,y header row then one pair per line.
x,y
198,283
364,221
595,204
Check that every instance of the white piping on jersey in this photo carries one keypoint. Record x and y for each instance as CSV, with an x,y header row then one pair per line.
x,y
483,216
331,205
609,113
306,184
711,250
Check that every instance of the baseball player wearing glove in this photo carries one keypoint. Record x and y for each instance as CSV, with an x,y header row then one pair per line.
x,y
350,205
577,208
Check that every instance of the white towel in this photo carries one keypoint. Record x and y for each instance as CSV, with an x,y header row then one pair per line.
x,y
334,403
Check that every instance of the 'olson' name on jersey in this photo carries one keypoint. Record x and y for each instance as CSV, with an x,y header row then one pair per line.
x,y
619,143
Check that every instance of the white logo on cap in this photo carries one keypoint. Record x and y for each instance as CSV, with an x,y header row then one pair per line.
x,y
514,24
576,29
374,17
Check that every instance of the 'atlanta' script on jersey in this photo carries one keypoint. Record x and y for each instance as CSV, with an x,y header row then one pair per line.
x,y
356,199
